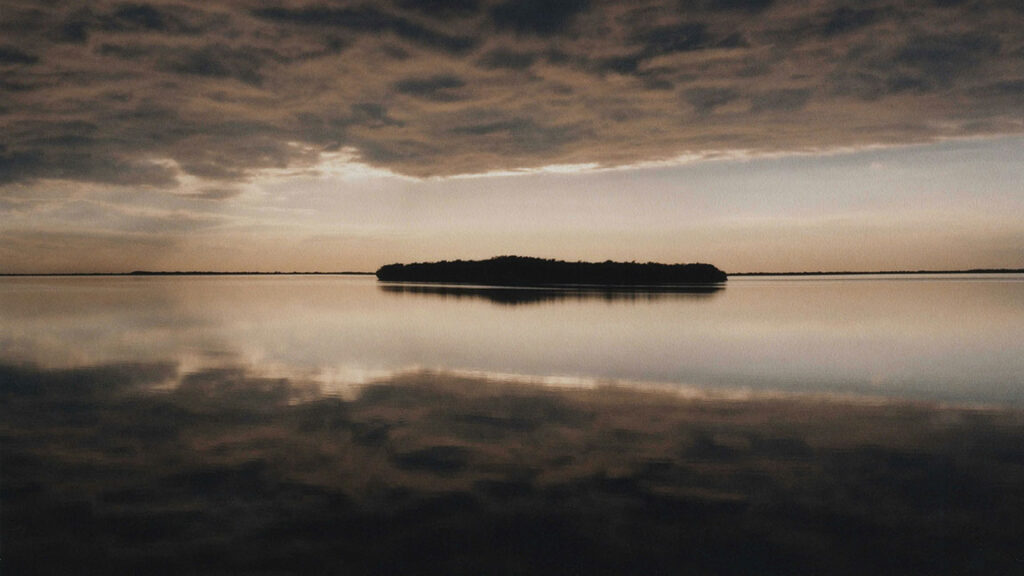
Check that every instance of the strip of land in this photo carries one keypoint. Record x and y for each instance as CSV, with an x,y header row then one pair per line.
x,y
188,273
885,272
362,273
525,271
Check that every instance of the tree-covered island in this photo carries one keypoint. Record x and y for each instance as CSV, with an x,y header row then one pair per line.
x,y
526,271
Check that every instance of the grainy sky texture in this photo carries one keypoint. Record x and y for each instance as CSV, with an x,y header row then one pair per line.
x,y
754,134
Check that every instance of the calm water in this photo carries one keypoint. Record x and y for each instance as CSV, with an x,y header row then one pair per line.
x,y
331,425
937,337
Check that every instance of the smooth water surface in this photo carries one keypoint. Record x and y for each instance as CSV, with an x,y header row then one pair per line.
x,y
334,425
936,337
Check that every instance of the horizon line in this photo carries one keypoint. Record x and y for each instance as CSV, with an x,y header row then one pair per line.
x,y
190,273
364,273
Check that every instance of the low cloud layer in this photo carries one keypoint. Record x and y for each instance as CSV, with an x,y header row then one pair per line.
x,y
155,93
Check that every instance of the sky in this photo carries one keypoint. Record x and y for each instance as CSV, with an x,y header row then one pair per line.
x,y
327,136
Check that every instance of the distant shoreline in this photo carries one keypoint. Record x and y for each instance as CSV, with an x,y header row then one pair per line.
x,y
350,273
189,273
886,272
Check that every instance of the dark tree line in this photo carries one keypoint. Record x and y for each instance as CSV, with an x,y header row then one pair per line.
x,y
524,271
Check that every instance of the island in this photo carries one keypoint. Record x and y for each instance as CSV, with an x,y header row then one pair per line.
x,y
526,271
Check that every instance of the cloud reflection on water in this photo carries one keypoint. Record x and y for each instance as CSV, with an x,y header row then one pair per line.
x,y
147,467
937,339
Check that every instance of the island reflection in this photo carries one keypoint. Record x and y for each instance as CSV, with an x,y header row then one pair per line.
x,y
509,295
146,468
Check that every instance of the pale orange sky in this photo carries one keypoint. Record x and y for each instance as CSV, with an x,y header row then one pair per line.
x,y
945,206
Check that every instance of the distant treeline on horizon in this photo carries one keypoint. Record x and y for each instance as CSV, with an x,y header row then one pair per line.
x,y
205,273
881,272
189,273
526,271
359,273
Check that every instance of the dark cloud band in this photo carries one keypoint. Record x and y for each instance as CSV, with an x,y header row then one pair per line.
x,y
142,93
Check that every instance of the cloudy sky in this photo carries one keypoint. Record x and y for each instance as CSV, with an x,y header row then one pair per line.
x,y
302,135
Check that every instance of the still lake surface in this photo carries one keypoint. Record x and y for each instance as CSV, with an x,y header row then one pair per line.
x,y
950,337
335,425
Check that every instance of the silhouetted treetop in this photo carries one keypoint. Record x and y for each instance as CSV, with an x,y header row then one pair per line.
x,y
525,271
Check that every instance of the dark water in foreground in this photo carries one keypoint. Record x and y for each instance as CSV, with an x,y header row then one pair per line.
x,y
263,426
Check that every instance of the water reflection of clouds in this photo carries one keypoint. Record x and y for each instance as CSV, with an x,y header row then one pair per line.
x,y
536,295
108,470
950,341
